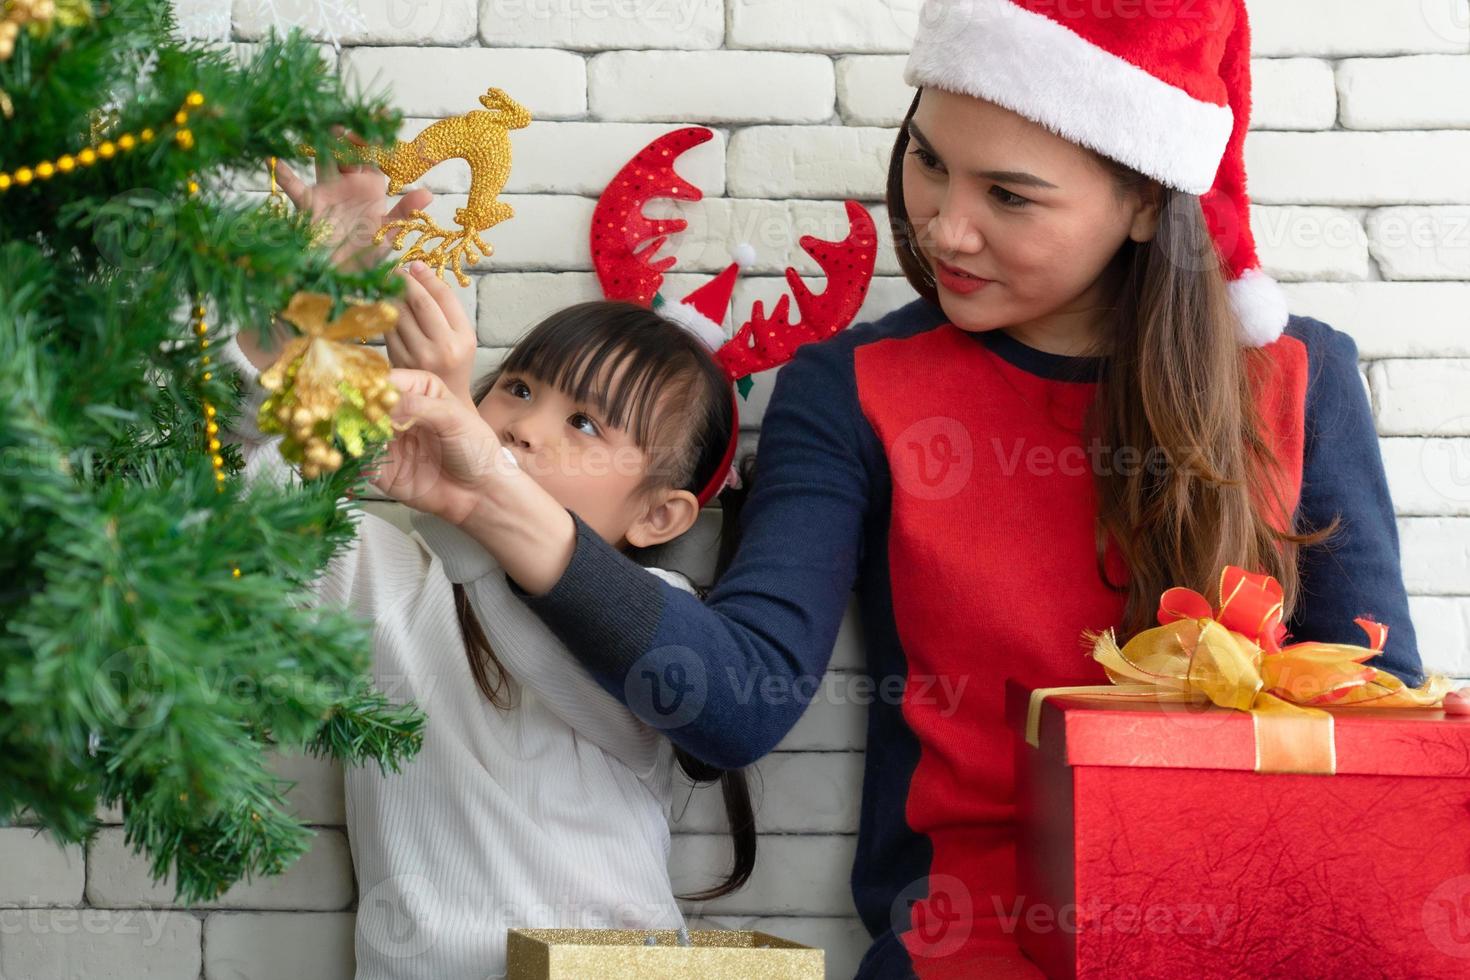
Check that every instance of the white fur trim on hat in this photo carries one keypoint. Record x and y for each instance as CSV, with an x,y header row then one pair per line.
x,y
1032,65
710,333
1260,304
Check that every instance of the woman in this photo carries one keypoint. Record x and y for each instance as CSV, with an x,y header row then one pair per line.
x,y
1098,395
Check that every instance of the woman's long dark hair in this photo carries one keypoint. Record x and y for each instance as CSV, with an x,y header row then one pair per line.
x,y
674,401
1177,386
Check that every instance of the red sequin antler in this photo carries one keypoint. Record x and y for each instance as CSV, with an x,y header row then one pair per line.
x,y
619,227
764,343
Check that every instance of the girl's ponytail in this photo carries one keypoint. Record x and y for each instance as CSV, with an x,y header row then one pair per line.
x,y
734,784
485,667
738,812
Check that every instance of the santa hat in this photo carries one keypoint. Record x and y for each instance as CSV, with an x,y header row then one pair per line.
x,y
703,311
1165,92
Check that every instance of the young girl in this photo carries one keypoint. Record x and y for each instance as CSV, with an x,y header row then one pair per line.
x,y
538,799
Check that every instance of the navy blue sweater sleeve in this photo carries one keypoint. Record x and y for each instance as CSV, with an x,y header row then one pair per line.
x,y
727,678
1357,570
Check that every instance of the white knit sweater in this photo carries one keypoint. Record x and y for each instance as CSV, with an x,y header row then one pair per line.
x,y
553,814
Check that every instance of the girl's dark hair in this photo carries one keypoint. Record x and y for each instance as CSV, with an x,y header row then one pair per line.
x,y
674,400
1176,386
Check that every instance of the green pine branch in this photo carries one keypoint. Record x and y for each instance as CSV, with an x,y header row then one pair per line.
x,y
136,667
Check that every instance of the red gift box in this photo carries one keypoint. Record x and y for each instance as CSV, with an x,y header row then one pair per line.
x,y
1148,845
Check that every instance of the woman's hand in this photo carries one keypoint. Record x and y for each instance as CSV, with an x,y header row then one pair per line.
x,y
433,333
444,461
351,199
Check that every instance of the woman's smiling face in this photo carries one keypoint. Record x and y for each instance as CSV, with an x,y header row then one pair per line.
x,y
994,196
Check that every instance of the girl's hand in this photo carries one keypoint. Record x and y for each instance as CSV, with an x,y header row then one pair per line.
x,y
442,463
352,200
433,333
450,463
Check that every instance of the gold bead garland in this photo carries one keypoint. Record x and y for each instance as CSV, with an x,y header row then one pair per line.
x,y
376,400
105,150
211,427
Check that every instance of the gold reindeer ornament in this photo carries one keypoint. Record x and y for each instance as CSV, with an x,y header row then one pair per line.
x,y
479,137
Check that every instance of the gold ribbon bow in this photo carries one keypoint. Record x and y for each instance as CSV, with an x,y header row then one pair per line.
x,y
1232,656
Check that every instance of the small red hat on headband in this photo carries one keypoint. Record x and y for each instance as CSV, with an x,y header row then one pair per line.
x,y
624,243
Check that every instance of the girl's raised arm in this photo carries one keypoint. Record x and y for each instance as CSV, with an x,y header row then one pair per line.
x,y
727,678
377,567
383,565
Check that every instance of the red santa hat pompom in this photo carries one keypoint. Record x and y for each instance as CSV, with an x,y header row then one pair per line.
x,y
1165,91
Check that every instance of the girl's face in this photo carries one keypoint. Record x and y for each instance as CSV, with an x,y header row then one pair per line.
x,y
587,465
997,196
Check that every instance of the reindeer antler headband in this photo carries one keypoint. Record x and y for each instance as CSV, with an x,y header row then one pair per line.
x,y
624,245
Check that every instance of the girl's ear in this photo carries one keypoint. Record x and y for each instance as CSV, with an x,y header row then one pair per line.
x,y
667,517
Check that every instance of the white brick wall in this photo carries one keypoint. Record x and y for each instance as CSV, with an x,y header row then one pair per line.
x,y
1360,170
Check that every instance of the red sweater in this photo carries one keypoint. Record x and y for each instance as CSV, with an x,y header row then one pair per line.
x,y
942,475
994,572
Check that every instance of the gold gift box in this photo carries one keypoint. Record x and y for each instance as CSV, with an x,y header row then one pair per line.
x,y
621,954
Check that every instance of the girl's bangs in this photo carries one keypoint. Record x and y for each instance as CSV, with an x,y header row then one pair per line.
x,y
581,357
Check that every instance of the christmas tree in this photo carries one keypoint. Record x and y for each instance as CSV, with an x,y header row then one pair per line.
x,y
157,642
